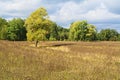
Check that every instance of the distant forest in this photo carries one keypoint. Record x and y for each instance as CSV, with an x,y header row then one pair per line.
x,y
38,27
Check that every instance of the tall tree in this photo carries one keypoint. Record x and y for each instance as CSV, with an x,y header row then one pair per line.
x,y
38,25
16,30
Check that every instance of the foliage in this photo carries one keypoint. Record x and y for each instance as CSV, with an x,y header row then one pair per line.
x,y
53,34
118,39
38,25
81,30
16,30
63,33
91,33
3,28
78,30
108,35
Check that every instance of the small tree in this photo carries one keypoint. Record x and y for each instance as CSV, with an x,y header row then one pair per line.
x,y
38,25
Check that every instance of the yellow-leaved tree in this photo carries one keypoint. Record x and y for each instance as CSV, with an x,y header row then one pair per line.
x,y
38,25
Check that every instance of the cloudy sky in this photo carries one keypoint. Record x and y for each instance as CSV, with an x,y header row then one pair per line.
x,y
102,13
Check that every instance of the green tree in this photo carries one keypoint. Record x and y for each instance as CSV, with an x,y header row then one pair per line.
x,y
91,33
108,35
53,34
16,30
38,26
3,28
118,39
62,33
81,30
78,30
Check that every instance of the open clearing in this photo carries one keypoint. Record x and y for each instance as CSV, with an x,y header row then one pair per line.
x,y
60,61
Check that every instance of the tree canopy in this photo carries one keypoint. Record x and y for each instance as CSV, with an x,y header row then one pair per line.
x,y
16,30
37,25
81,30
108,35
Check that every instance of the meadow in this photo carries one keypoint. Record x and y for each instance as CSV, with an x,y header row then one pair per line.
x,y
59,60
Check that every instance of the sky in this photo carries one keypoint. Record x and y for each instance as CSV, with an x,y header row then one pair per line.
x,y
102,13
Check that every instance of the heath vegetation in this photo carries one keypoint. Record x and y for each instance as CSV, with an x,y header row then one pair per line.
x,y
60,61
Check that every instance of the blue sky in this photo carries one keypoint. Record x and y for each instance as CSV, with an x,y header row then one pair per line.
x,y
102,13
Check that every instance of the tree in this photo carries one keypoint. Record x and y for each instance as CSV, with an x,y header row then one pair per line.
x,y
38,25
62,33
108,35
53,34
78,30
81,30
3,28
91,33
118,39
16,30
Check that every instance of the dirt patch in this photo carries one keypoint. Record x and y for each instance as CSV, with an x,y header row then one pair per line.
x,y
60,48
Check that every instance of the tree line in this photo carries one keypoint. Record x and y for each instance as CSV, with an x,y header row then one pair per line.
x,y
38,27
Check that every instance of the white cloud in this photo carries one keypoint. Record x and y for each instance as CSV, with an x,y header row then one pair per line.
x,y
71,11
91,10
101,14
66,12
19,8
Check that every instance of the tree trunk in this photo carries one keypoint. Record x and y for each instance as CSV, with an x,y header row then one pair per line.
x,y
36,43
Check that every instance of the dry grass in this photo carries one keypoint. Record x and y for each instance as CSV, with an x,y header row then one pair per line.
x,y
60,61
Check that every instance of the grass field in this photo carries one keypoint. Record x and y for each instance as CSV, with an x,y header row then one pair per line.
x,y
60,61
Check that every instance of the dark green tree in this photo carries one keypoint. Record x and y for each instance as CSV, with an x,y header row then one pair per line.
x,y
16,30
62,33
108,35
118,39
53,35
